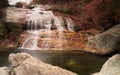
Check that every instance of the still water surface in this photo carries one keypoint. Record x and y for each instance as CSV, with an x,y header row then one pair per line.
x,y
79,62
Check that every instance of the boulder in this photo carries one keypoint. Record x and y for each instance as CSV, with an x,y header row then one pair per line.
x,y
111,67
25,64
19,5
104,43
4,71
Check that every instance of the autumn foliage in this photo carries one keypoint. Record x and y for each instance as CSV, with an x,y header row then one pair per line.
x,y
101,14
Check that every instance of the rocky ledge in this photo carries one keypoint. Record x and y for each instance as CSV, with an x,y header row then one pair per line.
x,y
104,43
111,67
25,64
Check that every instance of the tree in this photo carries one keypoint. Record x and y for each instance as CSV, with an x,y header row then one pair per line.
x,y
101,12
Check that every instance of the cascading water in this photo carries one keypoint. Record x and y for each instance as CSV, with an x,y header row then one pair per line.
x,y
70,24
39,22
13,2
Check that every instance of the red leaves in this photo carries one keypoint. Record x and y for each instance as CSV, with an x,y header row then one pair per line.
x,y
101,12
94,9
90,13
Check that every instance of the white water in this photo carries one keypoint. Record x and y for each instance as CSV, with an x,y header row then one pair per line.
x,y
13,2
39,22
70,24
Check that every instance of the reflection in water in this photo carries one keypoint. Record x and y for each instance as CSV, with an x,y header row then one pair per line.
x,y
76,61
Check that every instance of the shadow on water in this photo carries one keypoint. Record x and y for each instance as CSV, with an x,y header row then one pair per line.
x,y
79,62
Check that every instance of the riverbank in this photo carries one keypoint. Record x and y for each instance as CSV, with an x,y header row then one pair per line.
x,y
75,61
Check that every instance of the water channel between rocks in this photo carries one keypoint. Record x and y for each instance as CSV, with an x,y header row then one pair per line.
x,y
76,61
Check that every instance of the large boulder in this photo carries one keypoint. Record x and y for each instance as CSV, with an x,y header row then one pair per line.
x,y
24,64
4,71
111,67
104,43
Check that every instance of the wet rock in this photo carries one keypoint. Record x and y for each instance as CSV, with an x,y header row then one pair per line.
x,y
24,64
4,71
15,15
19,5
111,67
105,43
56,40
30,6
92,31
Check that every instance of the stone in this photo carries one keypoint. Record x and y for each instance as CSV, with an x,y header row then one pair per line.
x,y
104,43
15,15
25,64
92,31
111,66
4,71
19,5
69,40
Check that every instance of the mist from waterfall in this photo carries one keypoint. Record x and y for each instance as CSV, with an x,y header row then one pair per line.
x,y
39,24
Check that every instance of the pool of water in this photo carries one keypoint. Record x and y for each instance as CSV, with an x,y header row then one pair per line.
x,y
79,62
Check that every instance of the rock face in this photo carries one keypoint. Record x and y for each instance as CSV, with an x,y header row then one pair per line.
x,y
15,15
68,41
111,67
24,64
105,42
4,71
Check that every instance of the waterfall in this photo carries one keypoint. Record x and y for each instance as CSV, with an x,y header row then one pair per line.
x,y
13,2
39,22
70,24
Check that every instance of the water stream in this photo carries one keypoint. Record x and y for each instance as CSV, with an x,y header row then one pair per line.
x,y
40,22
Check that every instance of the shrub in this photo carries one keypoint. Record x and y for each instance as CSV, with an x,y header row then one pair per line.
x,y
102,12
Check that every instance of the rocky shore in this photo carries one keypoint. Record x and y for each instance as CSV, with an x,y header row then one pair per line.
x,y
105,43
111,66
25,64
